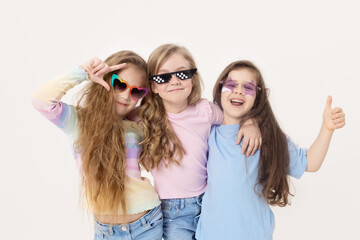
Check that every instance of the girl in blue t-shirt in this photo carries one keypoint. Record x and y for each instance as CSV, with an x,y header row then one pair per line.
x,y
240,189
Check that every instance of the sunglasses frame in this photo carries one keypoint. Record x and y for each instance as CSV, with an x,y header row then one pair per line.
x,y
115,76
179,74
222,83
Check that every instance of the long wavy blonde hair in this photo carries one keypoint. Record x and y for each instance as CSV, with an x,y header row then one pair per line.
x,y
160,141
101,142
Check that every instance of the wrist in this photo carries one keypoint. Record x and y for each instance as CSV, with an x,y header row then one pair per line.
x,y
249,122
86,73
326,129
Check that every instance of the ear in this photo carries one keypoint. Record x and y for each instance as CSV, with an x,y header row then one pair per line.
x,y
154,87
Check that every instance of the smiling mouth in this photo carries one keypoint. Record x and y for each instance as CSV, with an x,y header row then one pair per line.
x,y
175,90
236,102
122,104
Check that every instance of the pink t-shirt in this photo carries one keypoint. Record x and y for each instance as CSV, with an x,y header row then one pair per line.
x,y
192,126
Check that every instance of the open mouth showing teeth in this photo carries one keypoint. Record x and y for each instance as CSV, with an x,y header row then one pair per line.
x,y
236,102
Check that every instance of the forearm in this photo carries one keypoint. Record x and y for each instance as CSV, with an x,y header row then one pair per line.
x,y
47,100
51,92
317,151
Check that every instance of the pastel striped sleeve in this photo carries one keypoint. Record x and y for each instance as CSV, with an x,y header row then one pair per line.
x,y
133,135
47,100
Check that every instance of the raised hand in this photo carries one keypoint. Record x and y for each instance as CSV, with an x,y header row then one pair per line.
x,y
333,118
96,70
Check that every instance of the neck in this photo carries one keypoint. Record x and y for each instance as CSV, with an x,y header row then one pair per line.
x,y
175,107
229,121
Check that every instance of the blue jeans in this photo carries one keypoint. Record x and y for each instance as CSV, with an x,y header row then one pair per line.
x,y
148,227
181,216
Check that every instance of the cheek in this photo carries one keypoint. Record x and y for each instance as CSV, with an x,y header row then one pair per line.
x,y
159,88
189,83
154,88
224,97
132,104
250,92
251,102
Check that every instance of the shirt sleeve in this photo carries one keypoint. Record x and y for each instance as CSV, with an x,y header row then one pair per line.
x,y
47,100
217,115
298,159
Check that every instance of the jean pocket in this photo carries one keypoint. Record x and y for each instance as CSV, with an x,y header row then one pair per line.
x,y
101,233
156,220
199,204
199,199
196,220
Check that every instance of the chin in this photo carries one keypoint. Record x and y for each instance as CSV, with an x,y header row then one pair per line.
x,y
122,112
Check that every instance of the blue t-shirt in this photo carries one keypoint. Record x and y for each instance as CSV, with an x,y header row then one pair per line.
x,y
231,209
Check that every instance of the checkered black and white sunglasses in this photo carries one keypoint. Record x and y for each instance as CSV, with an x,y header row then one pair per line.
x,y
165,77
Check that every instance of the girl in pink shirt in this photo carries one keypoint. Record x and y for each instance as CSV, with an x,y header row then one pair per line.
x,y
177,125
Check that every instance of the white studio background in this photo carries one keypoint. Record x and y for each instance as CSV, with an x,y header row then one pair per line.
x,y
305,50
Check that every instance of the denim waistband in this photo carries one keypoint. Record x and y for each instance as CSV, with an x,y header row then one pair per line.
x,y
182,202
143,221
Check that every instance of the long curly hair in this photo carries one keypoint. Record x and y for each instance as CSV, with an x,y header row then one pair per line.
x,y
274,154
160,141
101,142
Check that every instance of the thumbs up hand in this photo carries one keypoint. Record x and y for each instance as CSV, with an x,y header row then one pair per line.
x,y
333,118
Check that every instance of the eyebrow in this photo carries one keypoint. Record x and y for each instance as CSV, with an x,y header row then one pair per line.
x,y
161,71
131,85
238,81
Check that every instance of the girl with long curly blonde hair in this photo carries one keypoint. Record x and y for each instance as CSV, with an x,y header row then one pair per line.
x,y
177,124
106,144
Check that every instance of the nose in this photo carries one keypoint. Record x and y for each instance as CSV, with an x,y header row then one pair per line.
x,y
174,79
239,89
125,94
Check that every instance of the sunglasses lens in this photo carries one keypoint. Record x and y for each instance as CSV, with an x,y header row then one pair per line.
x,y
250,89
162,78
183,75
166,77
230,84
119,86
138,94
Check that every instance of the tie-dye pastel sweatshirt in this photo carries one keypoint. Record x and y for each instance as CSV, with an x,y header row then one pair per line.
x,y
139,193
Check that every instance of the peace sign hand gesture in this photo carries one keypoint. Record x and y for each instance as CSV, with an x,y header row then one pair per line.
x,y
96,70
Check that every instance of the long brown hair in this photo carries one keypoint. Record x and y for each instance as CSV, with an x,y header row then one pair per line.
x,y
160,141
274,154
101,142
